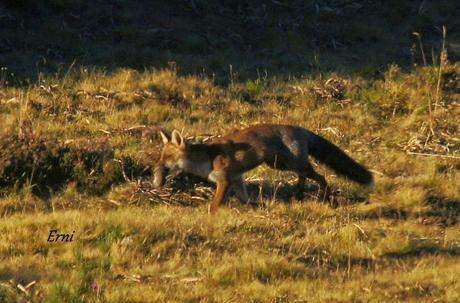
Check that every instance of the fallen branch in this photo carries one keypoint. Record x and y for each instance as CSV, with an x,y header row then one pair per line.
x,y
25,289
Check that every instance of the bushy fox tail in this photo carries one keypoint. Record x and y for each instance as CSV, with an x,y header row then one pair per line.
x,y
332,156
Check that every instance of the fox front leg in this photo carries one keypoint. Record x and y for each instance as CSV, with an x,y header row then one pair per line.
x,y
222,188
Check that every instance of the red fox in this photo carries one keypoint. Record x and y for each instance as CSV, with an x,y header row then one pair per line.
x,y
284,147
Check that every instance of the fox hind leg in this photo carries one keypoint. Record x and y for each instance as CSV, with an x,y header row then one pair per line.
x,y
240,190
300,187
310,173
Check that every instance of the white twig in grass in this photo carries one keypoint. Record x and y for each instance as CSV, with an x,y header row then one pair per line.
x,y
419,38
442,62
104,131
361,230
122,164
135,127
25,289
376,172
114,202
434,155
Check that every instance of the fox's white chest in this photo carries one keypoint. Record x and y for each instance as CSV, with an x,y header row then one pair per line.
x,y
202,169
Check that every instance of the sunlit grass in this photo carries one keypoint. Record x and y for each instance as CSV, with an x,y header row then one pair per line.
x,y
399,242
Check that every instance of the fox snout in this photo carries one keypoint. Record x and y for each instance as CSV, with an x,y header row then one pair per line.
x,y
160,172
159,176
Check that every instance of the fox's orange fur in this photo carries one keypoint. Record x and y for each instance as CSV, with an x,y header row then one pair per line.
x,y
223,160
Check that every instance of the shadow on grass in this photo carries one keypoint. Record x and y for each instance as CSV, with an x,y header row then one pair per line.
x,y
441,211
186,190
385,213
415,250
322,258
286,192
18,276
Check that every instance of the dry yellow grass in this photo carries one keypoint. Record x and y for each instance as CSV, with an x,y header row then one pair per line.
x,y
400,242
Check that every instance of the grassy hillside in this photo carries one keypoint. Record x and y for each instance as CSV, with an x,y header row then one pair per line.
x,y
64,139
78,141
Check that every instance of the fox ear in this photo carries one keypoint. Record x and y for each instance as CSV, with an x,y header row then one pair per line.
x,y
176,138
164,137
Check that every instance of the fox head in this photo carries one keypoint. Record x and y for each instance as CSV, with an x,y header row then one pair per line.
x,y
172,159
